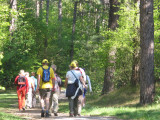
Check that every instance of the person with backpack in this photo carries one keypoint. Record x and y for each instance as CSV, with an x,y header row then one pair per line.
x,y
30,90
22,89
55,92
81,98
73,84
34,91
88,85
44,86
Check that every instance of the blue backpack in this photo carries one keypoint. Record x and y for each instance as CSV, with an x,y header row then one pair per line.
x,y
46,75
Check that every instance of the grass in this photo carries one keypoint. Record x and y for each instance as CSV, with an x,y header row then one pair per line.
x,y
5,116
122,103
8,100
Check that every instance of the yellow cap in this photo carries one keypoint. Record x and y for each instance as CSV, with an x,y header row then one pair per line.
x,y
73,64
75,61
45,61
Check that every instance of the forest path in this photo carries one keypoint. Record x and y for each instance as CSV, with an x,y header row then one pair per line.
x,y
34,114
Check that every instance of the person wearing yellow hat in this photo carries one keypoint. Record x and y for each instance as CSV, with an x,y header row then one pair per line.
x,y
45,85
72,76
81,98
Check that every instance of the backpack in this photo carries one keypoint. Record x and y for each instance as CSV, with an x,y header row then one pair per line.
x,y
46,75
21,80
59,80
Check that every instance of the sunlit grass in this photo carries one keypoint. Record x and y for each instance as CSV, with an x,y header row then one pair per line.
x,y
6,116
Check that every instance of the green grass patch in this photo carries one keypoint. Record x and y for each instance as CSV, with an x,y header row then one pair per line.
x,y
6,116
8,99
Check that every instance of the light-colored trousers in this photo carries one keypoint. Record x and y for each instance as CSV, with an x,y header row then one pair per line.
x,y
53,102
29,98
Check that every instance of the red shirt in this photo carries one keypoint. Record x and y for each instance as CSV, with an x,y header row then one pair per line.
x,y
24,87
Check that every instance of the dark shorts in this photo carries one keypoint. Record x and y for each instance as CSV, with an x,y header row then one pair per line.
x,y
45,93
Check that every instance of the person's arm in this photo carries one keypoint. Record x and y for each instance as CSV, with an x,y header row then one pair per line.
x,y
15,81
27,86
38,82
82,81
66,82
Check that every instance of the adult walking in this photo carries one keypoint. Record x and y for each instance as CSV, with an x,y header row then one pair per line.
x,y
81,97
22,89
72,78
30,90
55,92
45,85
34,91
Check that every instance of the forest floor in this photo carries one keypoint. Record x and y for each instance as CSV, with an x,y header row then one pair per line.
x,y
34,113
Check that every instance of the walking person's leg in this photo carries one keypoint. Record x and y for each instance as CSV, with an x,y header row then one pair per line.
x,y
23,98
47,99
71,107
50,103
55,103
19,99
76,106
80,98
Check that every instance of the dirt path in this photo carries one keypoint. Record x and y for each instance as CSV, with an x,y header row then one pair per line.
x,y
34,114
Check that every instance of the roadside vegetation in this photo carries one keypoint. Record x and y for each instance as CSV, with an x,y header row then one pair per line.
x,y
122,103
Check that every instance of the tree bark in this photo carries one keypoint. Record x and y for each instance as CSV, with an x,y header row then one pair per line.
x,y
37,8
147,82
108,85
73,31
47,18
13,6
60,21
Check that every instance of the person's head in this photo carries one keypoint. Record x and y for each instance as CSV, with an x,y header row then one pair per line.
x,y
54,67
76,62
27,74
72,65
32,73
45,62
22,73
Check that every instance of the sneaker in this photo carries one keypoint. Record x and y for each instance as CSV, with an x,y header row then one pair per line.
x,y
55,114
42,113
71,115
47,114
23,109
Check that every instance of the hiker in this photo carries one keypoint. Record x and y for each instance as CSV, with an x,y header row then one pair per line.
x,y
22,89
81,98
30,90
44,86
34,91
55,92
88,84
73,84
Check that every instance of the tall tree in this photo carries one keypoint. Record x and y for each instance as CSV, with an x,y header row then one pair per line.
x,y
147,82
47,18
73,31
60,20
110,69
13,6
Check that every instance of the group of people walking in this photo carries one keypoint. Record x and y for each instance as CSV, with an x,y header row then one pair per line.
x,y
48,85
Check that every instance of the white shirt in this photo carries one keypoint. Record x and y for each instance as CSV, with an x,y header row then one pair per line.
x,y
71,77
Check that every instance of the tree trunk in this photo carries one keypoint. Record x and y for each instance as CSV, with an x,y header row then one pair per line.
x,y
37,8
60,21
147,82
108,85
46,38
136,54
13,6
73,31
